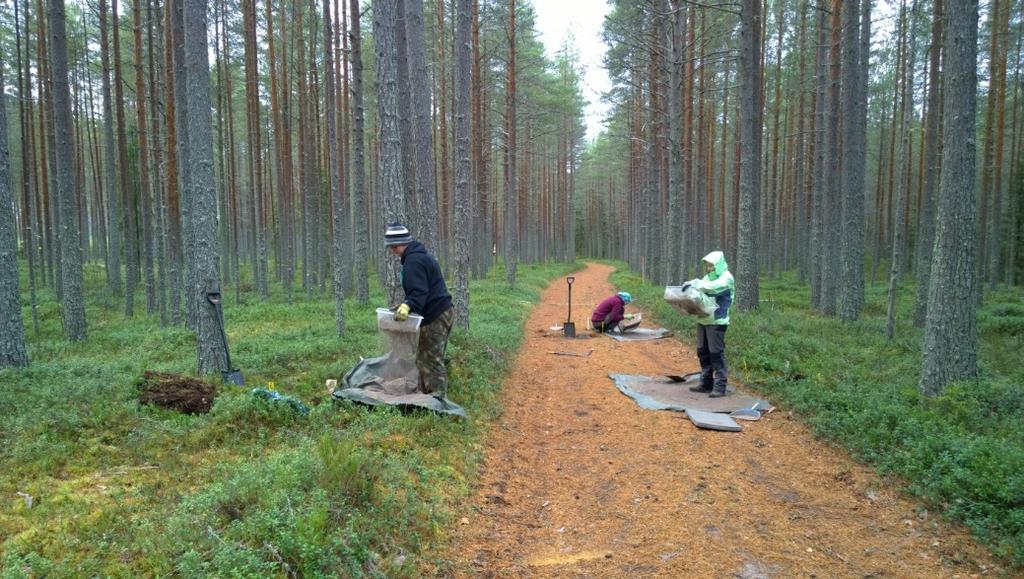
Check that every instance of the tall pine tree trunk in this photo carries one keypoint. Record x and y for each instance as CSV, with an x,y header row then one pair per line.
x,y
426,195
337,210
362,257
73,301
12,329
463,212
389,167
932,162
511,189
901,187
183,150
951,332
747,287
830,224
854,115
113,192
676,178
203,196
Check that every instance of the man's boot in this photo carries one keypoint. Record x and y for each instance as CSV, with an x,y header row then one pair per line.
x,y
706,384
721,375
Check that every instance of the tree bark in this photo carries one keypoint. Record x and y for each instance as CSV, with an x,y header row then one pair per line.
x,y
389,165
30,194
901,187
463,212
854,123
425,192
12,329
183,151
998,85
676,178
73,301
747,286
361,262
211,353
145,195
933,166
113,193
833,151
511,233
337,210
951,333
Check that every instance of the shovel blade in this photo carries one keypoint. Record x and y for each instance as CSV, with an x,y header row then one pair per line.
x,y
569,329
233,377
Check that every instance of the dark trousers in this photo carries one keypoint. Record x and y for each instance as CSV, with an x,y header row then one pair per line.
x,y
711,353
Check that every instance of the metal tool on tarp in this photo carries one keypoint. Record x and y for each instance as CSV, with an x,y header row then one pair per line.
x,y
569,328
684,377
232,375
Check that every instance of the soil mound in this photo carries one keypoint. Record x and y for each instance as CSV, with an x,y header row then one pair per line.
x,y
182,393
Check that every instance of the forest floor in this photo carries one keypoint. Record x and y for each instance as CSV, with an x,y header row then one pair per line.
x,y
580,482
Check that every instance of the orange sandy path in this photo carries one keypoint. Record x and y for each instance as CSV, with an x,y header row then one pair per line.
x,y
581,482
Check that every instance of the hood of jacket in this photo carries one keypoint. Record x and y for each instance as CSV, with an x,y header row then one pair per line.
x,y
414,247
715,258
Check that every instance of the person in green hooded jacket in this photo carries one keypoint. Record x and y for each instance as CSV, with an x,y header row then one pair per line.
x,y
718,284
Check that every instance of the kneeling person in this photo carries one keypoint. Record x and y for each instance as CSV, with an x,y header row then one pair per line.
x,y
608,316
427,295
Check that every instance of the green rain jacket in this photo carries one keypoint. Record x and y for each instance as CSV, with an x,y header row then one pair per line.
x,y
720,285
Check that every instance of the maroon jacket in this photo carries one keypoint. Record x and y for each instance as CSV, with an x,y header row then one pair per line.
x,y
610,311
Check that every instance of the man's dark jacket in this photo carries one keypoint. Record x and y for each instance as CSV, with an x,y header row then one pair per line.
x,y
425,291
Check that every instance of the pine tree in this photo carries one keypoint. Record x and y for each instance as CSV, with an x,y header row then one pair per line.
x,y
463,222
203,197
751,112
951,332
73,301
389,164
12,329
362,258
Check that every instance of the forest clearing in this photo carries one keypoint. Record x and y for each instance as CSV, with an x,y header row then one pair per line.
x,y
398,288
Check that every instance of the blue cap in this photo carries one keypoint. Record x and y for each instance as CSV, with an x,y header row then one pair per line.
x,y
626,297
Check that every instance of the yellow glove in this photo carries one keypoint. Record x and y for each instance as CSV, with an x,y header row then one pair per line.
x,y
402,313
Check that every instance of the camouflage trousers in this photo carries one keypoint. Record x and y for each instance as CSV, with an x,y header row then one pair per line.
x,y
430,354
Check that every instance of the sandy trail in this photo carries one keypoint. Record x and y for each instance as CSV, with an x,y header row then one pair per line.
x,y
580,482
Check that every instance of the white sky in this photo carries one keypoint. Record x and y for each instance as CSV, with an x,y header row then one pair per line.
x,y
580,20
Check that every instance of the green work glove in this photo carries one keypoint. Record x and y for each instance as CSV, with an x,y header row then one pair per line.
x,y
628,316
402,313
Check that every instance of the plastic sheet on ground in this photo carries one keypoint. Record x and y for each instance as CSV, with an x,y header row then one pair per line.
x,y
392,379
640,334
661,393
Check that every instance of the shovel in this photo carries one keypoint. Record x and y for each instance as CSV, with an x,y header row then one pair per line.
x,y
232,375
569,329
683,378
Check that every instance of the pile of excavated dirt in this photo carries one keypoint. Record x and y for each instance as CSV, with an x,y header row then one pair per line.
x,y
182,393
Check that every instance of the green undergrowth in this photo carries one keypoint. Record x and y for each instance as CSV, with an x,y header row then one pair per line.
x,y
961,452
252,488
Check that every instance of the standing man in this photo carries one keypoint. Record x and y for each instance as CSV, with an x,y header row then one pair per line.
x,y
427,295
718,284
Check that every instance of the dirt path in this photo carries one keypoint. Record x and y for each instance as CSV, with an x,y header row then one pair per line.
x,y
580,482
